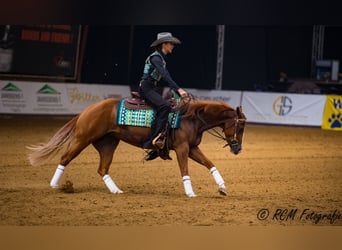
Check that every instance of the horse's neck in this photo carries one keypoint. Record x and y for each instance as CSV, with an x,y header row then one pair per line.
x,y
214,116
207,123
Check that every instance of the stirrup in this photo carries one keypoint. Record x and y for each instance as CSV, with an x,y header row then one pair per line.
x,y
159,141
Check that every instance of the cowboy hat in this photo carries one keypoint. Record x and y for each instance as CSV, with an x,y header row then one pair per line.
x,y
164,37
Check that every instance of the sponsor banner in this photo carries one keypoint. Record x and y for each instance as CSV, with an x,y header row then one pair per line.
x,y
332,118
80,96
54,98
283,108
233,98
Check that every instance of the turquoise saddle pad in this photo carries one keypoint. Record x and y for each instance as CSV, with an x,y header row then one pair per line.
x,y
142,117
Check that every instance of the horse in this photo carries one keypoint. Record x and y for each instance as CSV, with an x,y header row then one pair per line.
x,y
97,125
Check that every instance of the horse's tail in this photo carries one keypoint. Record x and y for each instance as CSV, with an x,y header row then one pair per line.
x,y
44,152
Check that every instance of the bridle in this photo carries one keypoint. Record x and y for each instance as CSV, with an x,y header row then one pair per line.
x,y
230,141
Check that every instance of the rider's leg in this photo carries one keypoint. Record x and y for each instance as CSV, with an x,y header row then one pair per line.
x,y
162,109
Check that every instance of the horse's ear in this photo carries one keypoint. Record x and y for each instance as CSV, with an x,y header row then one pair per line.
x,y
239,110
240,113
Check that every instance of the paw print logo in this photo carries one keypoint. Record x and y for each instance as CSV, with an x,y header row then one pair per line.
x,y
335,121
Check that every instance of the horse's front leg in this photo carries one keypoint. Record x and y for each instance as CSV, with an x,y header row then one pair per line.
x,y
182,152
197,155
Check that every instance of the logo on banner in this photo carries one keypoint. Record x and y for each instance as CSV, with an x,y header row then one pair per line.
x,y
76,96
282,105
332,118
47,94
12,98
214,98
11,91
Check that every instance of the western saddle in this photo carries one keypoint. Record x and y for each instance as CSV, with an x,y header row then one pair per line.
x,y
137,102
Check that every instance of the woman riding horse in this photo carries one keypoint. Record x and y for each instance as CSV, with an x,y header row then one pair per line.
x,y
154,71
97,125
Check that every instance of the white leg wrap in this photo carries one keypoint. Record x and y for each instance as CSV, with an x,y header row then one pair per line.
x,y
111,185
217,177
58,174
187,186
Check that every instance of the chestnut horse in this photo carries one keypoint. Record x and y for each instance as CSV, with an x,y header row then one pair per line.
x,y
96,125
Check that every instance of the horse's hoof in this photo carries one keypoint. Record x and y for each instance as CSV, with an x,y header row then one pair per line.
x,y
223,191
192,195
118,192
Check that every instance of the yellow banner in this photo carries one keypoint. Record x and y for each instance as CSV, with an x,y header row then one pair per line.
x,y
332,118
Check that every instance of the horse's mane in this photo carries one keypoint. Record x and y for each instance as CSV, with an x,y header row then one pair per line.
x,y
193,108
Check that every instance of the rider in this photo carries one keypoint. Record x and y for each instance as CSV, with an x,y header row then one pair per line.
x,y
154,71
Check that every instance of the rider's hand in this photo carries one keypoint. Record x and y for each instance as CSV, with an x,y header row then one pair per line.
x,y
182,93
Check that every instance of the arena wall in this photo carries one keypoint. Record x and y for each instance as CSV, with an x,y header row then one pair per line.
x,y
18,97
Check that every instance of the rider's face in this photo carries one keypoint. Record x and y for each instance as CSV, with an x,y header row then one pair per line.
x,y
167,47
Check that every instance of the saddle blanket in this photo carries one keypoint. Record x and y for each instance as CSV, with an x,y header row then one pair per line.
x,y
142,117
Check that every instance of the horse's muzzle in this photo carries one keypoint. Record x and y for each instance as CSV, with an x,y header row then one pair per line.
x,y
235,147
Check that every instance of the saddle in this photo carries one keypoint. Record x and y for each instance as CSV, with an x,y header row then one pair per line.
x,y
137,102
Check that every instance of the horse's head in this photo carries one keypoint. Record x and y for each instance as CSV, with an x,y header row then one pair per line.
x,y
234,129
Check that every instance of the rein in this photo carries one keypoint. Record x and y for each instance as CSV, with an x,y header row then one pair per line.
x,y
220,136
230,141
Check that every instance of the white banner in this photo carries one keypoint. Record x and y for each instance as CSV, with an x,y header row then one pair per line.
x,y
281,108
70,98
54,98
233,98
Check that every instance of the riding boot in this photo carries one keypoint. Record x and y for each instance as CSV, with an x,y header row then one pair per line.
x,y
160,149
157,138
151,155
158,126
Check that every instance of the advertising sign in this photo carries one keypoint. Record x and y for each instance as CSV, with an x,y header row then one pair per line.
x,y
332,119
233,98
283,108
54,98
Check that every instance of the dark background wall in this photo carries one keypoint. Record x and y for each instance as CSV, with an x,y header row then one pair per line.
x,y
244,57
106,55
254,55
333,43
116,55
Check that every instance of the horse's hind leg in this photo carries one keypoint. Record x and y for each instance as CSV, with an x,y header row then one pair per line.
x,y
106,146
76,147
